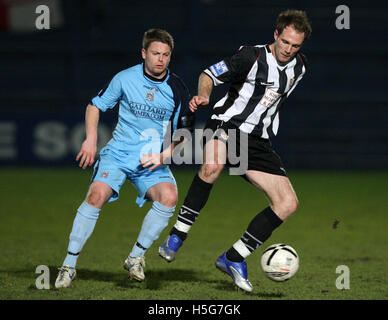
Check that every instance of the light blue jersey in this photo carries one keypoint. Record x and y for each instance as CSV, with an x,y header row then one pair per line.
x,y
148,108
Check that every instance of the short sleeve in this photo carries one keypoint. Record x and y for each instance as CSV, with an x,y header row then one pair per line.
x,y
234,68
108,97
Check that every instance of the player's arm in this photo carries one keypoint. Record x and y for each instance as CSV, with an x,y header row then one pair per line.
x,y
88,150
205,87
232,69
106,99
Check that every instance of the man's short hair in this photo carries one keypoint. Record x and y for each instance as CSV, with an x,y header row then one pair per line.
x,y
160,35
296,18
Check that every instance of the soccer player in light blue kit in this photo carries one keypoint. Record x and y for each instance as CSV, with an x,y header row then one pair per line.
x,y
153,102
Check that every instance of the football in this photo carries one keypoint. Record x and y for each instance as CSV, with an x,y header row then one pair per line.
x,y
279,262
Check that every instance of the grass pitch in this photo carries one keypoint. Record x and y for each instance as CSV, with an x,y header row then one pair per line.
x,y
342,220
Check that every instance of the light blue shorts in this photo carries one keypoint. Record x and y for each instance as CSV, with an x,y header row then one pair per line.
x,y
113,171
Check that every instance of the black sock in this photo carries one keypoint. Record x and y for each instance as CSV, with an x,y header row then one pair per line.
x,y
233,255
198,194
195,200
259,230
182,235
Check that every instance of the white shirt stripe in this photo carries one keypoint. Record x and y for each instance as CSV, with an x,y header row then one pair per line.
x,y
268,103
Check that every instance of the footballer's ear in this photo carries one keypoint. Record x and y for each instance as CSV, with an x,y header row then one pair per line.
x,y
276,34
143,53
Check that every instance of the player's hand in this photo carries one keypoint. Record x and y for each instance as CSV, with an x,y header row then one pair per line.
x,y
197,101
87,154
151,160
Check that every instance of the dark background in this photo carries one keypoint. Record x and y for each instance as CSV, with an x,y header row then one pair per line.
x,y
337,117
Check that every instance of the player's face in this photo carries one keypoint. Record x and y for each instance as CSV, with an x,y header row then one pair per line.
x,y
156,59
287,44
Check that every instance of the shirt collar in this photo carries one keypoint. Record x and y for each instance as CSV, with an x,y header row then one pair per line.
x,y
153,78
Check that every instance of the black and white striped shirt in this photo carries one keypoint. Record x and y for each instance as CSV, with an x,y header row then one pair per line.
x,y
259,86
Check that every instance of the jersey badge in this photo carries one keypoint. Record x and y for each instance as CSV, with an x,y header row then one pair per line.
x,y
291,82
150,94
219,68
104,174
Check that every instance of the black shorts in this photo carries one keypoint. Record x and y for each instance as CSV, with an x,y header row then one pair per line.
x,y
261,157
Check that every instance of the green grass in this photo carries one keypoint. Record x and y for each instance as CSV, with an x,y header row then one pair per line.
x,y
37,208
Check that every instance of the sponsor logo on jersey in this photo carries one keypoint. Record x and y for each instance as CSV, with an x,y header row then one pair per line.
x,y
151,112
269,98
267,83
219,68
150,88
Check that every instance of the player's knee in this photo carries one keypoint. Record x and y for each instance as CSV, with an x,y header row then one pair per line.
x,y
169,198
290,205
211,170
293,205
96,198
287,206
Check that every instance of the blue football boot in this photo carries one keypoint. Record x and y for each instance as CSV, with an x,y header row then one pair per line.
x,y
169,248
237,270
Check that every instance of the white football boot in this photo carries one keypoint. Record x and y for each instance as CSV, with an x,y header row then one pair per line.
x,y
65,276
135,267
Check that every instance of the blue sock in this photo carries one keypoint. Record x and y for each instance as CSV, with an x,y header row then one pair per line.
x,y
83,226
153,224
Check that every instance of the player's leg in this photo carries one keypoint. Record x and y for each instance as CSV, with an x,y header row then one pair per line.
x,y
200,188
85,219
164,197
106,183
83,226
283,202
279,191
196,198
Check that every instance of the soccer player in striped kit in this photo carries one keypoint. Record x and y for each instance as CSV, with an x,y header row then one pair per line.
x,y
153,102
261,77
